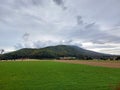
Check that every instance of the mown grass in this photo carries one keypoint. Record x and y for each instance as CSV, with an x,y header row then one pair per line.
x,y
50,75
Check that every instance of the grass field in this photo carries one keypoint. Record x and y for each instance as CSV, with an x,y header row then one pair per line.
x,y
50,75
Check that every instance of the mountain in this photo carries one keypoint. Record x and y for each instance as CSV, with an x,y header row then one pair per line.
x,y
55,52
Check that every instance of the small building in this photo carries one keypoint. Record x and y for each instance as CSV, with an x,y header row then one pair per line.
x,y
67,58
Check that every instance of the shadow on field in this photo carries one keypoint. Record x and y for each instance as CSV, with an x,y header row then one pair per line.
x,y
117,87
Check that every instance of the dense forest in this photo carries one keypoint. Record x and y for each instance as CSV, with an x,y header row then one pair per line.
x,y
57,52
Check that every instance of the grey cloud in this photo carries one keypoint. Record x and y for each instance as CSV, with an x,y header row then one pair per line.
x,y
27,43
111,50
89,25
5,11
79,20
82,21
91,32
102,46
27,3
60,3
70,42
97,36
18,46
41,44
37,2
26,37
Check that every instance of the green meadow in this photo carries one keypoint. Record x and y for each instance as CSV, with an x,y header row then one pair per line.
x,y
51,75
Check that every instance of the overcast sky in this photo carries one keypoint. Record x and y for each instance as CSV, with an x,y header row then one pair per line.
x,y
90,24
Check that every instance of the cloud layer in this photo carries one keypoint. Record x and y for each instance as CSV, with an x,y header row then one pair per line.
x,y
90,24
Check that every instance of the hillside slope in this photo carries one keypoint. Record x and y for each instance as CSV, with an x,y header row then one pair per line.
x,y
54,52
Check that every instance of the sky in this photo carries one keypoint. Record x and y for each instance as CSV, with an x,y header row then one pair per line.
x,y
90,24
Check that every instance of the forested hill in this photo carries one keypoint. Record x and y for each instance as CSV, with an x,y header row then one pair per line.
x,y
54,52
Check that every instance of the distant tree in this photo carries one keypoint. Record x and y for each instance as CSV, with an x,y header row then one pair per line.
x,y
118,58
2,51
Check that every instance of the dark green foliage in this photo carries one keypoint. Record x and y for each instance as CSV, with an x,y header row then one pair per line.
x,y
54,52
118,58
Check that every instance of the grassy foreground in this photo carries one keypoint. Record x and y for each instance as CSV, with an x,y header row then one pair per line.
x,y
50,75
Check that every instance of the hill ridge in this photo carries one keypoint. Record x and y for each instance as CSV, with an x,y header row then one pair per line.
x,y
55,52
